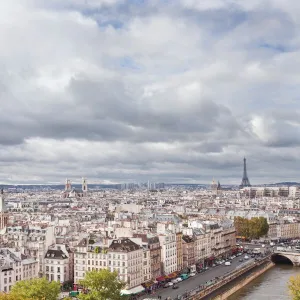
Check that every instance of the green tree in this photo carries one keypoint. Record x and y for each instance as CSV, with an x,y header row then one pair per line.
x,y
37,289
241,226
4,296
253,228
264,226
294,287
258,227
102,285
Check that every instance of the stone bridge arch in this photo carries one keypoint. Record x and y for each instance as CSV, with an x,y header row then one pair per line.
x,y
286,258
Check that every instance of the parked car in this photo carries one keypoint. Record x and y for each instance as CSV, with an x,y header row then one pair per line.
x,y
179,279
192,274
246,257
175,286
227,263
168,284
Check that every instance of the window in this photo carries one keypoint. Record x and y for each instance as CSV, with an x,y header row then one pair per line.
x,y
58,269
47,268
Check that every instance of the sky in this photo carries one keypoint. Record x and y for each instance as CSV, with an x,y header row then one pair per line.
x,y
174,91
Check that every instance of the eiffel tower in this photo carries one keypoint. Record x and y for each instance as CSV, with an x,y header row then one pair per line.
x,y
245,180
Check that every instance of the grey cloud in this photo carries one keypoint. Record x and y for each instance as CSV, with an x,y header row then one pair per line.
x,y
69,107
104,110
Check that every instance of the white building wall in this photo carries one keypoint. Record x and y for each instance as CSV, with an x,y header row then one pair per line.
x,y
168,253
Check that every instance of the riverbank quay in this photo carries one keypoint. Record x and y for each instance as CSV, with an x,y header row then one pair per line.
x,y
232,281
200,279
245,280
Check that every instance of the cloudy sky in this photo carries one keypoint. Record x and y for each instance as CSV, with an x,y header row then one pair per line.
x,y
160,90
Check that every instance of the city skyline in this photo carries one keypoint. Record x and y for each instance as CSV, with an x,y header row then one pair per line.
x,y
167,91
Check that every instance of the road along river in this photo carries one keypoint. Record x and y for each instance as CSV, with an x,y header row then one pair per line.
x,y
199,279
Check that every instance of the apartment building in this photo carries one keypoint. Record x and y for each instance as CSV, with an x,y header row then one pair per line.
x,y
155,256
152,258
121,255
202,245
59,264
188,246
168,252
179,250
32,241
284,230
15,267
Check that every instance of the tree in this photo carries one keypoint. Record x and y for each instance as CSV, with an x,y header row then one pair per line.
x,y
102,285
4,296
264,226
241,226
253,228
35,289
294,287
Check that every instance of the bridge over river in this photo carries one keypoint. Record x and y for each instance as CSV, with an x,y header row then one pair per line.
x,y
289,256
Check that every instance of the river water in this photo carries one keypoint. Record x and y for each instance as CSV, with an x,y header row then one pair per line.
x,y
271,285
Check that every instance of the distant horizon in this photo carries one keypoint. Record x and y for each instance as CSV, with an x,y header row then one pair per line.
x,y
120,183
180,91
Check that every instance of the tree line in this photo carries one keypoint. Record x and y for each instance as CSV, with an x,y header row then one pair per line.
x,y
253,228
101,285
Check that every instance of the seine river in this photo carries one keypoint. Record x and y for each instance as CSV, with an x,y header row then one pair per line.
x,y
270,285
